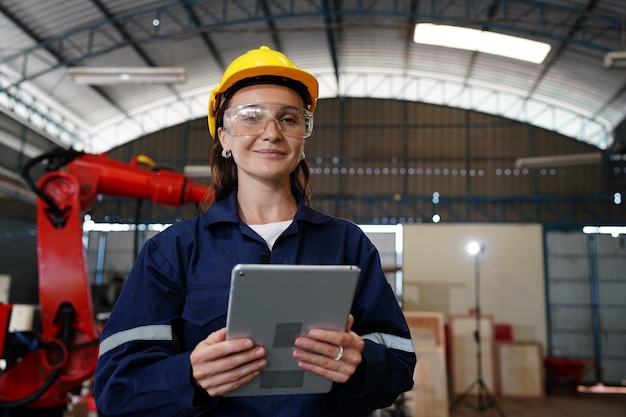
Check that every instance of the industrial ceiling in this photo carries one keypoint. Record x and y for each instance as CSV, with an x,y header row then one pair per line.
x,y
356,48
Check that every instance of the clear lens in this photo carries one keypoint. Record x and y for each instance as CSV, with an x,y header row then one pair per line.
x,y
253,119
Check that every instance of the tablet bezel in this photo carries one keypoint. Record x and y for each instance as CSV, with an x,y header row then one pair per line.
x,y
273,304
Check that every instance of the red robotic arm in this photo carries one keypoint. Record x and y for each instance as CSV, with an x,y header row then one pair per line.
x,y
65,351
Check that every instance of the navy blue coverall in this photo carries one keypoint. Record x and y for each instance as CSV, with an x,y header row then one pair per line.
x,y
177,294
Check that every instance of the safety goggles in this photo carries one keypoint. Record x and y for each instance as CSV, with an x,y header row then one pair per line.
x,y
253,119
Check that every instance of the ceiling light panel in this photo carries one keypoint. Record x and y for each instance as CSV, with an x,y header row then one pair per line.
x,y
481,41
127,75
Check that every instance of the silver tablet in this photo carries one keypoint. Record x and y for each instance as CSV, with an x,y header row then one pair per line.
x,y
274,304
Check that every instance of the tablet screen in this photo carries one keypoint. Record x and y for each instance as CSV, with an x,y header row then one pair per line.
x,y
274,304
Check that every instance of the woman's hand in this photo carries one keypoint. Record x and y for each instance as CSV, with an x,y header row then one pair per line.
x,y
219,365
332,354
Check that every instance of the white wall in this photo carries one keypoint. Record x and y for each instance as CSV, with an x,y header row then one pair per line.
x,y
439,274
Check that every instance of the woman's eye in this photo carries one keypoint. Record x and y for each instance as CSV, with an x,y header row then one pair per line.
x,y
289,119
250,116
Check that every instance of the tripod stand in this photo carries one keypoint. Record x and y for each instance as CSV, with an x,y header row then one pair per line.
x,y
485,399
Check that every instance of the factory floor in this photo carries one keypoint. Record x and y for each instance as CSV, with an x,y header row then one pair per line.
x,y
581,405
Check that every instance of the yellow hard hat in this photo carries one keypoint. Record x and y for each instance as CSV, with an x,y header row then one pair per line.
x,y
259,63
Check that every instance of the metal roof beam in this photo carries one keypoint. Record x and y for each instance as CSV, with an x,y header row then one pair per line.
x,y
30,104
135,47
553,57
411,21
193,16
221,20
271,25
122,30
28,32
492,11
331,21
49,49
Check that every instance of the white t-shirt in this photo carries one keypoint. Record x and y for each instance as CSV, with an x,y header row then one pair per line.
x,y
271,231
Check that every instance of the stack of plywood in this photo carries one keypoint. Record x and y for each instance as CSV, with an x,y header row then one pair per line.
x,y
509,368
429,396
464,354
520,370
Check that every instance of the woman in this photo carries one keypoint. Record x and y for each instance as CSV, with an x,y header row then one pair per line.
x,y
164,350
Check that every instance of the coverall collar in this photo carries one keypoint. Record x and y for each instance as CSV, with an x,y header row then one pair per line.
x,y
226,210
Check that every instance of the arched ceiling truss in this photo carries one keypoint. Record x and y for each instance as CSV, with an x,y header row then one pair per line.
x,y
355,48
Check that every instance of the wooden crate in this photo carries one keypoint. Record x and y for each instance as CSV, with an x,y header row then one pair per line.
x,y
464,350
429,396
520,370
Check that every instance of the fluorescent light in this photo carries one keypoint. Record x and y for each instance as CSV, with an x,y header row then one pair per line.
x,y
127,75
197,171
91,226
615,60
559,160
481,41
614,231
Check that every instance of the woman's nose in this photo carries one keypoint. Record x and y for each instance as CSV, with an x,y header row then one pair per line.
x,y
272,130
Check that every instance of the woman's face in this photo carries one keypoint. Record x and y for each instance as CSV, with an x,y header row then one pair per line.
x,y
270,153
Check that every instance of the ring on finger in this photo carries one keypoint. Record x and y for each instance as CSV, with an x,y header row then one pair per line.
x,y
340,354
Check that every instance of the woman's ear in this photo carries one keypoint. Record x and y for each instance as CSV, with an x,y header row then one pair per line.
x,y
219,134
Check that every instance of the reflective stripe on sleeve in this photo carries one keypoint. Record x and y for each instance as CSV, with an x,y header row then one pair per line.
x,y
162,332
391,341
